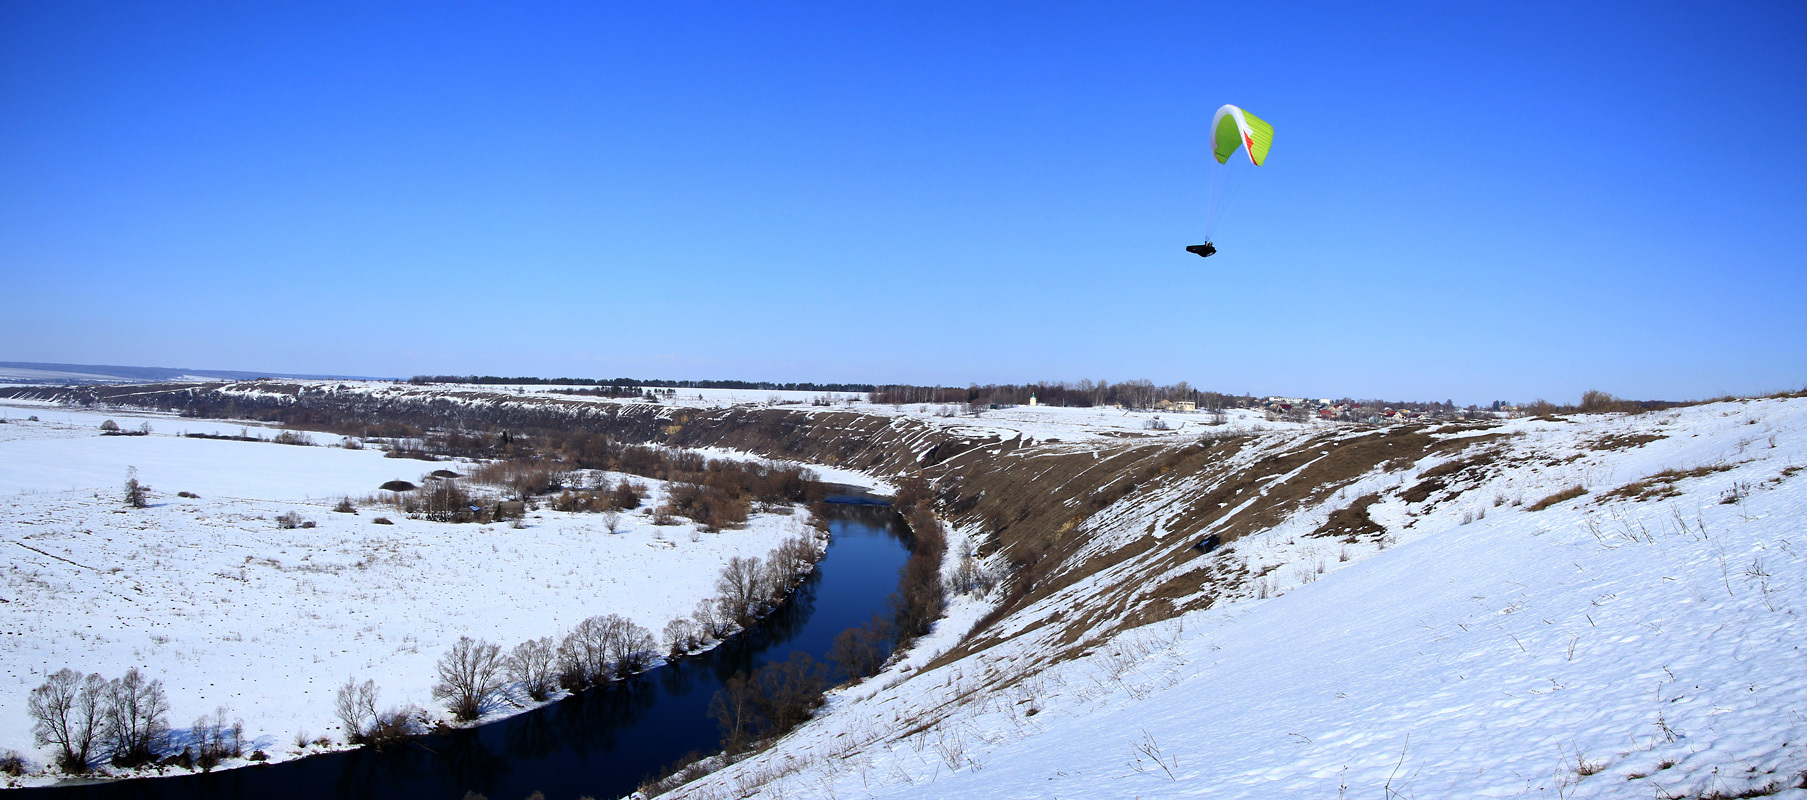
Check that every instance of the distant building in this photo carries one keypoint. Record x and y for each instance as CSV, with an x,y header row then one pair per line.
x,y
1032,400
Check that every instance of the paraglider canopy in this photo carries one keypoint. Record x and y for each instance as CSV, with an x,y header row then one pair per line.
x,y
1233,128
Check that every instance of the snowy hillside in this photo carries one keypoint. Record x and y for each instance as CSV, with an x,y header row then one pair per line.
x,y
1492,639
211,596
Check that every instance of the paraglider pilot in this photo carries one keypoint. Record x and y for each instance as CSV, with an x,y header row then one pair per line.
x,y
1205,250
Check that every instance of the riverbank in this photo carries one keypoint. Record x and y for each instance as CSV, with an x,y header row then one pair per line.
x,y
216,598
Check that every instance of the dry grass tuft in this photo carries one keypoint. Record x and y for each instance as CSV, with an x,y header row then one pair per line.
x,y
1567,494
1661,485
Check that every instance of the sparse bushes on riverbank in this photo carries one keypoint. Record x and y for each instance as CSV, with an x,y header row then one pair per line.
x,y
603,649
355,704
921,597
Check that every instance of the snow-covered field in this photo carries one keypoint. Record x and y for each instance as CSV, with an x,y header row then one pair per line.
x,y
1040,423
1033,422
210,596
1603,646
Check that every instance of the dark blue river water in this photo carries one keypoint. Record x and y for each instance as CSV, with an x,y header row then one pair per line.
x,y
600,743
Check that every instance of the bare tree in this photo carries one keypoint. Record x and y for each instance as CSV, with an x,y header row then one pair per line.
x,y
136,718
732,709
859,652
711,620
66,712
354,704
530,664
136,494
741,584
681,637
467,676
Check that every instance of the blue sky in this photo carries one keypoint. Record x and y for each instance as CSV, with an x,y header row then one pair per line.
x,y
1463,201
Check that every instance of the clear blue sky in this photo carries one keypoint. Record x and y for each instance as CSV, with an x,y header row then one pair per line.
x,y
1464,200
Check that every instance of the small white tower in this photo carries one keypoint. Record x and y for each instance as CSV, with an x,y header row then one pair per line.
x,y
1031,399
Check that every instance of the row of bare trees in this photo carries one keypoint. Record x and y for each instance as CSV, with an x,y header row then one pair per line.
x,y
921,596
475,674
86,717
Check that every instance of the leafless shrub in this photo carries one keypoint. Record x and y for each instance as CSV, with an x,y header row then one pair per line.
x,y
409,448
11,763
216,740
971,578
345,506
467,677
289,520
628,494
294,438
109,425
523,478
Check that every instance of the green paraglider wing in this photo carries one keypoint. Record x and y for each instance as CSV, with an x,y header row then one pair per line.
x,y
1233,128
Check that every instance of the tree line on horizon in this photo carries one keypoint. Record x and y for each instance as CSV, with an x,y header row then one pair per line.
x,y
805,386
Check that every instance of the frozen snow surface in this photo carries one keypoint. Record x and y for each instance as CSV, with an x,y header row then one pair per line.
x,y
1603,646
210,596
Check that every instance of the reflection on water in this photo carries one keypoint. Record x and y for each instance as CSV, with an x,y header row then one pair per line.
x,y
600,743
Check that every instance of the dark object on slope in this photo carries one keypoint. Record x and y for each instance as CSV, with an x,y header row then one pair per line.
x,y
398,486
1205,250
1208,543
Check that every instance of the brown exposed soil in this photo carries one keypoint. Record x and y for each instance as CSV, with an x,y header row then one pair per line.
x,y
1624,441
1352,521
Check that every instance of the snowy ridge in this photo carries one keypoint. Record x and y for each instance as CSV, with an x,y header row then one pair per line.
x,y
1640,640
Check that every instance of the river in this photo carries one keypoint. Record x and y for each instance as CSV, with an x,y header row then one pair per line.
x,y
600,743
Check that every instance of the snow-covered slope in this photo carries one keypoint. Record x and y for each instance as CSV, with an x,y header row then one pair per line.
x,y
210,596
1640,640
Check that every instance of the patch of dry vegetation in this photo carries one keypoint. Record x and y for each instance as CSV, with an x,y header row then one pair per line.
x,y
1567,494
1661,485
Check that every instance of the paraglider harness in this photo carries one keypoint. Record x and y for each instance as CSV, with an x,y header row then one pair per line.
x,y
1205,250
